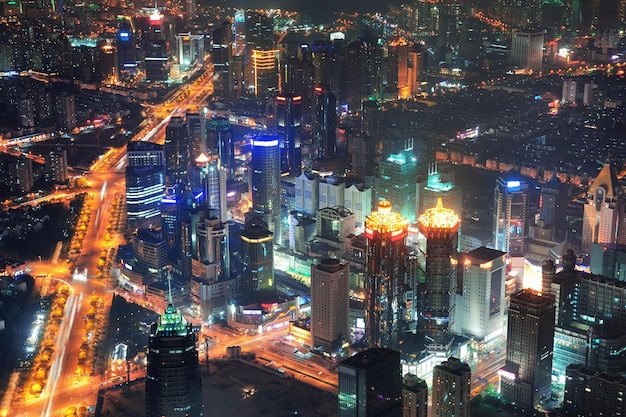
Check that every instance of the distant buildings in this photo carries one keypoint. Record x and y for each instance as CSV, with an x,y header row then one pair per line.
x,y
451,389
370,384
173,385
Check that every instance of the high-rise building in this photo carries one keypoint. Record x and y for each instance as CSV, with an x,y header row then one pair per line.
x,y
386,254
414,396
196,134
358,199
173,385
527,49
601,218
330,304
145,188
209,177
363,62
451,389
569,92
525,378
145,154
220,141
333,226
222,54
213,247
437,297
265,181
480,306
56,166
65,108
589,392
289,129
176,151
325,123
398,182
370,384
549,201
510,208
264,69
398,68
257,256
307,193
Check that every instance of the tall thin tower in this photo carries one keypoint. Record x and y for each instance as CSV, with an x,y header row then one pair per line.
x,y
265,181
386,258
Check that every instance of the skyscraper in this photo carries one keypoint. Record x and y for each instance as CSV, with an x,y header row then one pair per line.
x,y
480,307
325,127
330,304
527,49
257,256
525,378
414,396
386,232
398,182
602,215
222,55
145,184
289,129
173,386
438,293
220,141
370,384
265,181
209,177
197,135
176,151
510,208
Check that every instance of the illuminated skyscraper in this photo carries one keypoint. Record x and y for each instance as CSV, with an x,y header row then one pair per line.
x,y
602,215
222,54
363,69
265,181
385,319
197,134
398,68
220,141
173,385
209,177
145,183
325,123
257,256
398,182
438,293
370,384
289,129
330,304
510,208
264,72
525,378
176,151
527,49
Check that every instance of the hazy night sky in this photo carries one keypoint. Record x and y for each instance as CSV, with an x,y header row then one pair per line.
x,y
320,10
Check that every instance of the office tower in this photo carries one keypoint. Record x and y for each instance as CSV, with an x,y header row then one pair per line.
x,y
549,201
398,68
451,389
414,396
126,46
437,297
333,226
265,181
145,184
370,118
363,151
589,392
370,384
385,260
213,247
510,208
257,256
569,92
590,321
264,71
222,54
601,216
358,199
209,177
307,193
527,49
239,34
197,135
480,307
191,212
176,151
363,70
259,31
398,182
186,50
56,166
155,60
330,304
525,378
325,123
608,260
173,386
331,192
221,141
289,129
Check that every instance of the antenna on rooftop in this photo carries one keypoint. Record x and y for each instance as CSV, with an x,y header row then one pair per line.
x,y
169,288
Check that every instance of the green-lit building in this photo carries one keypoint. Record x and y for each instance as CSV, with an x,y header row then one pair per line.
x,y
398,183
173,385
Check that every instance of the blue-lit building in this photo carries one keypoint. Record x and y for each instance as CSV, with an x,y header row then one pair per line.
x,y
289,130
177,151
145,184
510,212
220,141
398,183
